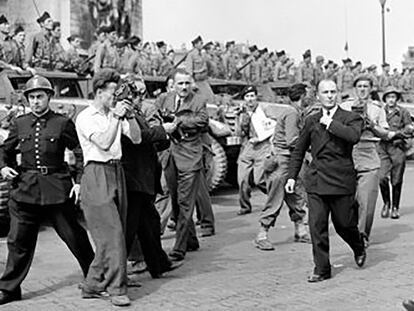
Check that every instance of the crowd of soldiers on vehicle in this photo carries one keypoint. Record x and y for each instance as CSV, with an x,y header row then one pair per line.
x,y
230,60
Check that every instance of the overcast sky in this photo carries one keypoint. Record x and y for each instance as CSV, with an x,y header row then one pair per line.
x,y
292,25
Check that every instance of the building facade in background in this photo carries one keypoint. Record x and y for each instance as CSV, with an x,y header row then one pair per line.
x,y
77,16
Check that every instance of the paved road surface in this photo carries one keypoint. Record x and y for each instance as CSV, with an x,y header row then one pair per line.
x,y
228,273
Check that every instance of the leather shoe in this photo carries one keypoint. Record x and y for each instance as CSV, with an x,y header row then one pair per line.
x,y
360,259
176,256
192,248
6,297
206,232
302,238
314,278
243,212
264,244
408,305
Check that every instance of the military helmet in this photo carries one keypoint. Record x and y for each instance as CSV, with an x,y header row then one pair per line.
x,y
38,82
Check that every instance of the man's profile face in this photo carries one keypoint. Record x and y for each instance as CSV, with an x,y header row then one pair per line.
x,y
363,89
38,101
48,23
106,95
327,94
20,37
182,84
391,99
5,28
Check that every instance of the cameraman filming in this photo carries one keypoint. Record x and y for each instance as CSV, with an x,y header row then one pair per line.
x,y
103,188
365,155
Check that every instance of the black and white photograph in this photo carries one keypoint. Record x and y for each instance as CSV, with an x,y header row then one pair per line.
x,y
180,155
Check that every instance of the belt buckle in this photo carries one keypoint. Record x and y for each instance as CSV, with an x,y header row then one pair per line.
x,y
43,170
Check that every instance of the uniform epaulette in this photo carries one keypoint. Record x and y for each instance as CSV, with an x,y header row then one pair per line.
x,y
23,115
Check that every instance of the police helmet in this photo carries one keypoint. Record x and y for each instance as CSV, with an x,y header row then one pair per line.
x,y
38,82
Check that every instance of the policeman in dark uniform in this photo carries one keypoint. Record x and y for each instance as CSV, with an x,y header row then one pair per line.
x,y
43,187
392,153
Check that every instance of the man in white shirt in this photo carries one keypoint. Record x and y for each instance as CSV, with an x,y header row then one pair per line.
x,y
103,188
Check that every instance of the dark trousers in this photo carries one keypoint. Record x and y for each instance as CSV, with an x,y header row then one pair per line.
x,y
344,214
104,202
143,221
183,187
25,220
204,209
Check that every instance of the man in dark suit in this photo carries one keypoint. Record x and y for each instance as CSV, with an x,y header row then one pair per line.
x,y
331,178
142,174
183,162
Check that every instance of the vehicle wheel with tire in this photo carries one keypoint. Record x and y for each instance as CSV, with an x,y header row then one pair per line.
x,y
218,166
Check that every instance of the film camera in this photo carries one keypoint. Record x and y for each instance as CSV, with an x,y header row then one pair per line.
x,y
127,91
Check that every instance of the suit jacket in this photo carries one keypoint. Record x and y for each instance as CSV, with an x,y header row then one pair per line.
x,y
331,171
140,161
187,151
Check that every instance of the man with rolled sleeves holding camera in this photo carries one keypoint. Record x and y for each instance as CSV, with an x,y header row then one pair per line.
x,y
103,188
43,187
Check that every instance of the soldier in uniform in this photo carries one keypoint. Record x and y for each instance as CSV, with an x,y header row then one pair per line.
x,y
384,80
319,72
40,48
145,60
73,58
357,69
212,70
183,162
230,61
218,61
281,72
392,153
250,171
372,73
346,79
43,187
160,59
107,55
365,155
253,71
330,71
19,38
100,35
58,52
196,65
9,52
306,71
276,169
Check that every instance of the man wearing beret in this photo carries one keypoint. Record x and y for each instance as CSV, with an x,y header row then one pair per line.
x,y
230,61
365,155
196,65
9,53
384,80
107,55
281,72
392,153
43,187
19,38
283,142
40,47
305,72
253,71
160,59
319,72
250,171
346,78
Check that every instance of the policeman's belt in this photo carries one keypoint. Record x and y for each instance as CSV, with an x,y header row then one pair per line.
x,y
44,170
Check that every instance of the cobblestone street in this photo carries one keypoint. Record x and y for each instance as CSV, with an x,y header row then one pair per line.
x,y
228,273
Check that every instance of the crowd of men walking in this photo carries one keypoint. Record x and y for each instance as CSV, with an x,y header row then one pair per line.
x,y
334,156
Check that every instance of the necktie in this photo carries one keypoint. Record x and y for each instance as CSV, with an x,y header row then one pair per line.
x,y
328,112
178,104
